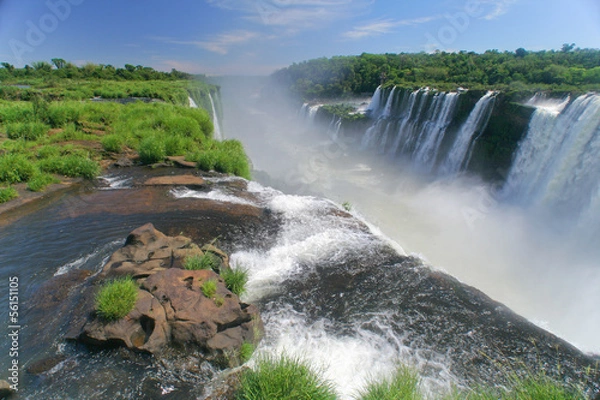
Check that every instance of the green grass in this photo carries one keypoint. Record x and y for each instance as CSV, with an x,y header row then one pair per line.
x,y
235,279
246,351
26,130
206,261
7,194
283,378
209,288
15,168
152,150
403,384
39,182
72,165
112,143
227,156
116,298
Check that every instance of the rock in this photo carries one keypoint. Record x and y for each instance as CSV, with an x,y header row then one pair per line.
x,y
123,162
176,180
5,390
171,310
180,162
45,364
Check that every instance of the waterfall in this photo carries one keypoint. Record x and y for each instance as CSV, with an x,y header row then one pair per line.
x,y
215,119
373,108
428,146
557,164
475,124
192,103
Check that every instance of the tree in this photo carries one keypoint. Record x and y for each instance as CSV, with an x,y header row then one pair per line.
x,y
521,52
59,63
9,67
567,47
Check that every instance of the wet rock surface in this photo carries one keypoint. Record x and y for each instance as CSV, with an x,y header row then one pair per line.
x,y
172,310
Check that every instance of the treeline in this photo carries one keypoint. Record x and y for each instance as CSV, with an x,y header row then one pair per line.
x,y
59,68
566,69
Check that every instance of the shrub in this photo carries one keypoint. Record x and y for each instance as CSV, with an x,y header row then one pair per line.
x,y
236,279
151,150
283,378
7,194
116,298
205,261
40,181
26,130
15,168
112,143
177,145
47,151
209,288
404,384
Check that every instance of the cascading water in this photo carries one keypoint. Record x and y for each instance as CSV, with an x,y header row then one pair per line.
x,y
215,118
192,103
557,165
458,155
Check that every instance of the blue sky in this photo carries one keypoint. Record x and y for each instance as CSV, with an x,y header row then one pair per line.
x,y
224,37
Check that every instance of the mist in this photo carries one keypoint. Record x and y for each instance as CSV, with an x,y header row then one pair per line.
x,y
533,261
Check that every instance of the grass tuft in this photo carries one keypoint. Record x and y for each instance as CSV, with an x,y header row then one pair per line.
x,y
116,298
205,261
7,194
15,168
283,378
209,288
235,279
39,182
403,384
246,351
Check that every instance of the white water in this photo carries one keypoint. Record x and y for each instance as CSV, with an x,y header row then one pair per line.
x,y
473,126
311,234
192,103
457,225
215,119
557,166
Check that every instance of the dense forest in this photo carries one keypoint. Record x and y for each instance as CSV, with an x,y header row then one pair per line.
x,y
568,69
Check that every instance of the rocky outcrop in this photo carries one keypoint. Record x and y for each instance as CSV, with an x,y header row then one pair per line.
x,y
172,310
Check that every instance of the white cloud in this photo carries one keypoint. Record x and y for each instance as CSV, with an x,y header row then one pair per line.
x,y
384,26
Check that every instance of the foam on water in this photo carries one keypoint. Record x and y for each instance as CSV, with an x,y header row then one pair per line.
x,y
215,194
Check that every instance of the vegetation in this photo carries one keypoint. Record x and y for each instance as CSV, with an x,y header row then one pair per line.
x,y
116,298
7,194
209,288
50,125
404,384
283,378
235,279
246,351
206,261
566,69
291,378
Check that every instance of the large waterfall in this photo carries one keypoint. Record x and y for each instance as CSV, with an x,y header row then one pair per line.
x,y
414,125
557,166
